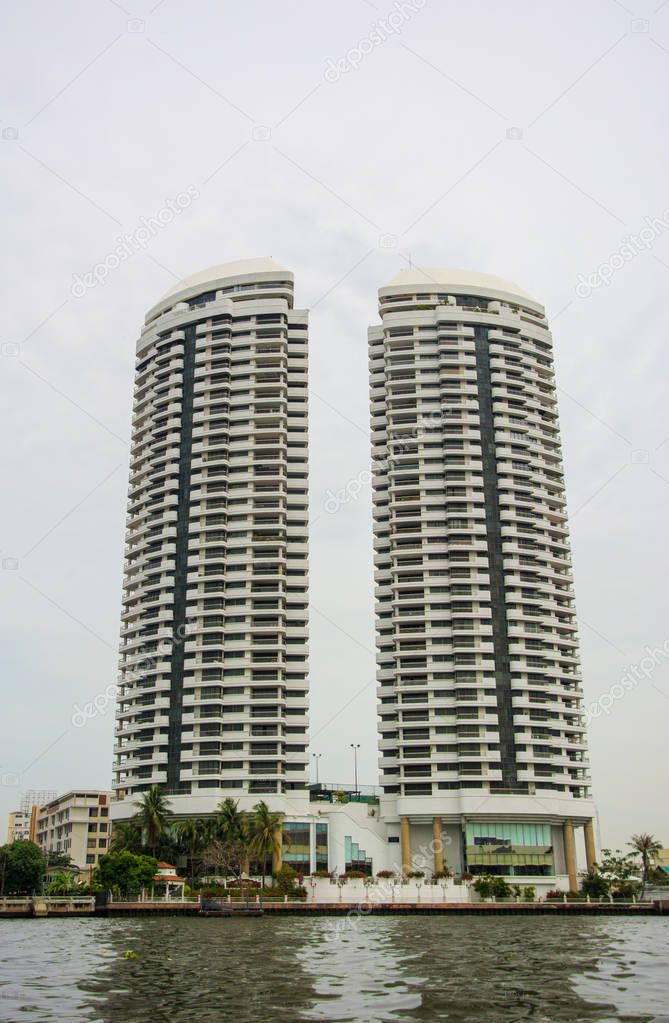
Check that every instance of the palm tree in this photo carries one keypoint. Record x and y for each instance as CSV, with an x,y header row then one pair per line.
x,y
647,846
193,836
264,834
231,823
153,814
127,835
62,883
233,838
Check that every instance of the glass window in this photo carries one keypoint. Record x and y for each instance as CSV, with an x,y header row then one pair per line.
x,y
516,849
355,857
296,846
321,846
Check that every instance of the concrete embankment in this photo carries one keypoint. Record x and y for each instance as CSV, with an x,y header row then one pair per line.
x,y
43,907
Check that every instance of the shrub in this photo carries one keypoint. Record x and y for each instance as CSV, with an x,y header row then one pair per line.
x,y
525,892
286,880
594,885
63,883
487,885
415,875
213,891
555,895
500,888
354,875
624,890
385,873
483,886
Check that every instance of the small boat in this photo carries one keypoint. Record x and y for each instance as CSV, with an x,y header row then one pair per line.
x,y
216,907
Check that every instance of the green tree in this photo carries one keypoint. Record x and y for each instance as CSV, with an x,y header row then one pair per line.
x,y
154,816
231,824
22,867
228,850
619,869
264,835
58,859
125,872
647,846
127,835
594,885
193,836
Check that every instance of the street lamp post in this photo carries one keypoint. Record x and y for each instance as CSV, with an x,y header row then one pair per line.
x,y
355,746
317,757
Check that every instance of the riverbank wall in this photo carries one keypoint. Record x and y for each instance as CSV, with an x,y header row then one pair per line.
x,y
29,908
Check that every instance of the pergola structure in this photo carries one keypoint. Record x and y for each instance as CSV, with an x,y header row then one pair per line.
x,y
168,876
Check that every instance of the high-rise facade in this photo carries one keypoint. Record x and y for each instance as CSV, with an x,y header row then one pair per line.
x,y
482,733
213,690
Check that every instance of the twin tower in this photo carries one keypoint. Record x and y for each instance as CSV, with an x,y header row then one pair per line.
x,y
481,724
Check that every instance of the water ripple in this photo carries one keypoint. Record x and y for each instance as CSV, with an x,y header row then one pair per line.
x,y
375,970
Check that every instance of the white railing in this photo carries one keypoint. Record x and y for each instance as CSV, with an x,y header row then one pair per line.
x,y
15,903
27,902
85,901
159,901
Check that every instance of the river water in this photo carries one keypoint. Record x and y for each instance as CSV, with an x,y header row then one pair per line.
x,y
481,969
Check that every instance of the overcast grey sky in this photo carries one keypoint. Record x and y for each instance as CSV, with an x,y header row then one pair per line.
x,y
521,139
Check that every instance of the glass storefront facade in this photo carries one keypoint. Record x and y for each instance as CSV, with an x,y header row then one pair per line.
x,y
298,843
356,858
321,847
297,846
511,849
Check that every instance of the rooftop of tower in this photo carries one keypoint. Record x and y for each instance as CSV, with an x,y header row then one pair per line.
x,y
234,276
223,271
448,279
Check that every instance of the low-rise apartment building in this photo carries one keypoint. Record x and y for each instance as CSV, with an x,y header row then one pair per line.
x,y
76,823
18,826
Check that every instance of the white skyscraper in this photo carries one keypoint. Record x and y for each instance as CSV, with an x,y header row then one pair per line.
x,y
482,731
213,697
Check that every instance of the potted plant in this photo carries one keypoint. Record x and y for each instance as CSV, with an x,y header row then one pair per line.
x,y
441,875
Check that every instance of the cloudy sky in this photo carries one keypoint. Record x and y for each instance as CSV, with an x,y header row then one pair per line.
x,y
343,139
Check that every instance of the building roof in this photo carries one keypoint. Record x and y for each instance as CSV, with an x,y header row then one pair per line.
x,y
237,268
452,279
74,794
